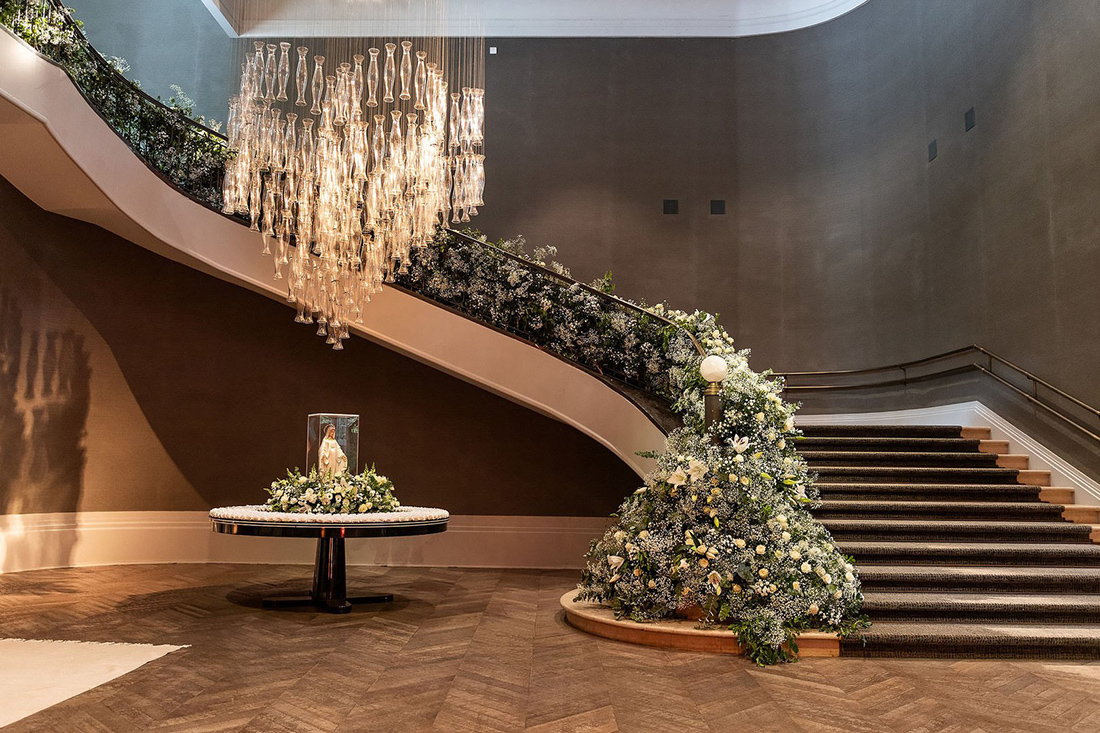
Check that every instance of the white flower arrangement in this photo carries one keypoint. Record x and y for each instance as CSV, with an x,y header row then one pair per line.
x,y
343,493
721,528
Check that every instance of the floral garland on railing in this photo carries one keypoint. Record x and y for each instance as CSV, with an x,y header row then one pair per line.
x,y
189,155
344,493
565,319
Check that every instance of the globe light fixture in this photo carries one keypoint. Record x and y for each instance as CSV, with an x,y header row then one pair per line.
x,y
714,368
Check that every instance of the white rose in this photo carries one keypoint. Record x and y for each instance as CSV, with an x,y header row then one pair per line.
x,y
614,561
805,567
760,549
813,609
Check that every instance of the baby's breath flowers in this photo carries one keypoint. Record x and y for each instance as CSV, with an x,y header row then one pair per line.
x,y
721,527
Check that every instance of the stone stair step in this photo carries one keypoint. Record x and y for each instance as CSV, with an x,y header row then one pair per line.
x,y
1043,608
960,530
972,578
933,492
1014,511
885,552
1081,514
976,640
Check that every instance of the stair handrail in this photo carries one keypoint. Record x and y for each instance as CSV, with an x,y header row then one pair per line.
x,y
987,369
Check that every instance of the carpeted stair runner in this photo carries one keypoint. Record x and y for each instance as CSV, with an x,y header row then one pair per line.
x,y
958,556
930,492
1062,554
978,640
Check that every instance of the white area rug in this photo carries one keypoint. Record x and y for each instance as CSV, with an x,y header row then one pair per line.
x,y
37,674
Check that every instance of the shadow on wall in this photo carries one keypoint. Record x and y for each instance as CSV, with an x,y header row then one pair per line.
x,y
45,391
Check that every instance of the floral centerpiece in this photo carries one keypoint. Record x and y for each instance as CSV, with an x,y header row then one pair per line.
x,y
720,531
325,493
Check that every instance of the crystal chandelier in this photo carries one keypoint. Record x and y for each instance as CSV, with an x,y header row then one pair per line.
x,y
375,156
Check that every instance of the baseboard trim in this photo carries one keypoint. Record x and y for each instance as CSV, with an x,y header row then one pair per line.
x,y
976,414
78,539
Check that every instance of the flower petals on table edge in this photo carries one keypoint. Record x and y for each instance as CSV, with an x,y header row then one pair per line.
x,y
256,513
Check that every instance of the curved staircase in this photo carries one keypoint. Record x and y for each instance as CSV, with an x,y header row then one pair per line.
x,y
962,550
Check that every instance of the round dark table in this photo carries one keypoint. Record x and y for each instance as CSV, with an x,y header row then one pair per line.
x,y
329,590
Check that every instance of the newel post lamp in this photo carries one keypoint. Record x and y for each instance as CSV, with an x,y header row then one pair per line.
x,y
714,369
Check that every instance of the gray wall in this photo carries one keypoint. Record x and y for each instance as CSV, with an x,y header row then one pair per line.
x,y
165,42
842,245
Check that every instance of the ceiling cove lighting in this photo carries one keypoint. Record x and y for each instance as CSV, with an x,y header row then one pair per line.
x,y
345,164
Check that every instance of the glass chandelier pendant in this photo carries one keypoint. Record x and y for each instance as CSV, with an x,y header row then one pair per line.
x,y
301,77
341,195
284,70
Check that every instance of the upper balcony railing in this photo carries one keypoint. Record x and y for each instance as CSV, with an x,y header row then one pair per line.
x,y
508,290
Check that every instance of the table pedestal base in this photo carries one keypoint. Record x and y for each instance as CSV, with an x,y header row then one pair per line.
x,y
329,591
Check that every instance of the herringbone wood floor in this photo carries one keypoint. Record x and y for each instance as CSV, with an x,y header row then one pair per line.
x,y
476,650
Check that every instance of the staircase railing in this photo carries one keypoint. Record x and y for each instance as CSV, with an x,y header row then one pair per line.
x,y
607,335
1037,391
191,158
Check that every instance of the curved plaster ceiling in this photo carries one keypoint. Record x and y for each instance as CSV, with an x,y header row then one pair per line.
x,y
528,18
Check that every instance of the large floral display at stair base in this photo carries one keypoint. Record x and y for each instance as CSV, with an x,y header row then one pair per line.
x,y
721,529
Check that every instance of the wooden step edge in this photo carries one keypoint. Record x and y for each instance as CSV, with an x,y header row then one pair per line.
x,y
1082,514
1034,477
1095,534
1013,460
993,446
1057,495
977,433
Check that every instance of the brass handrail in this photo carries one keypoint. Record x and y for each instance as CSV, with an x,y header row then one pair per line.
x,y
987,369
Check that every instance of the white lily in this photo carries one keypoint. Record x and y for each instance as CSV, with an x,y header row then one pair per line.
x,y
696,469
